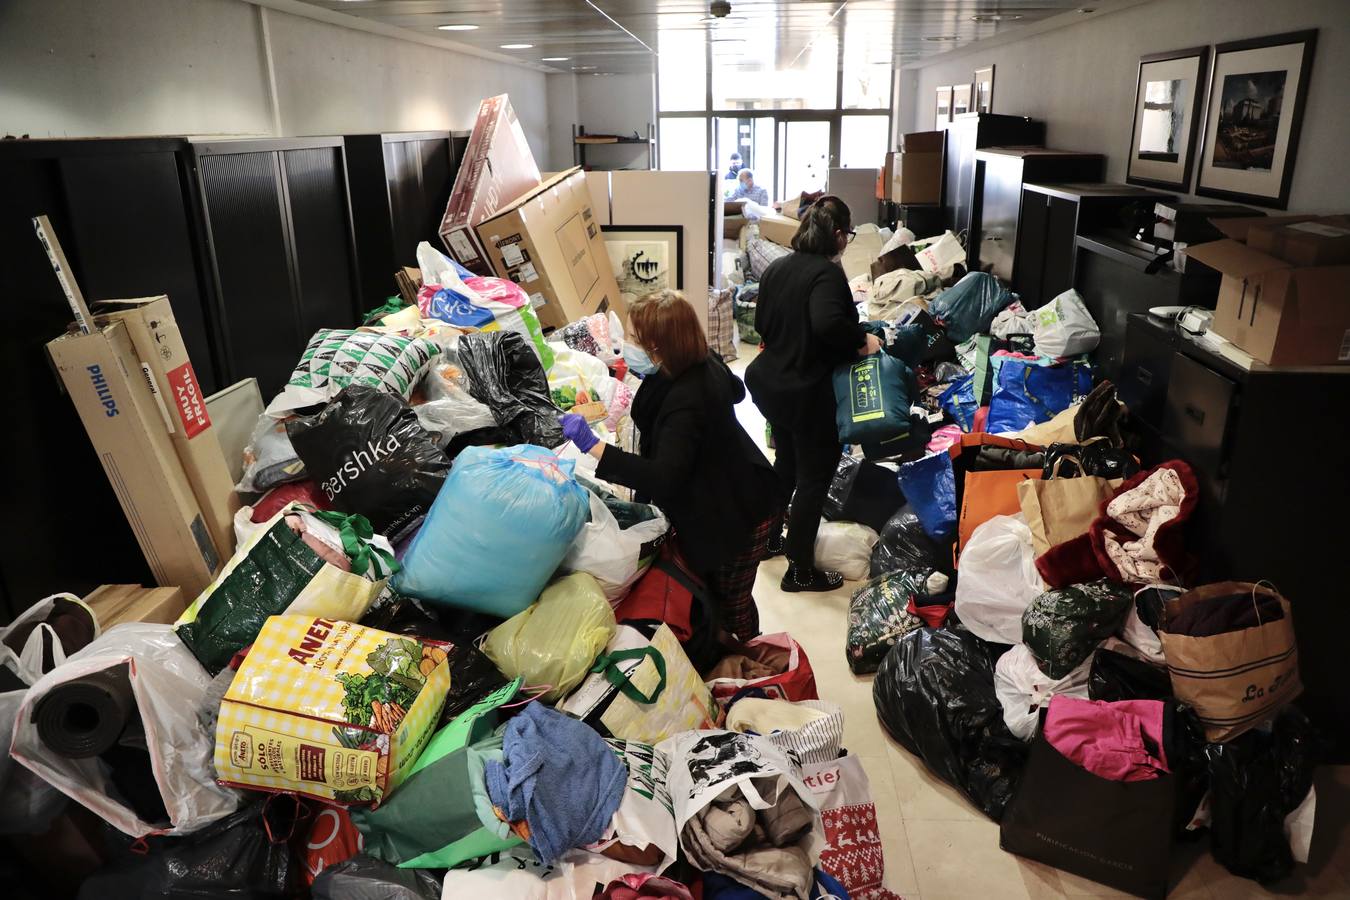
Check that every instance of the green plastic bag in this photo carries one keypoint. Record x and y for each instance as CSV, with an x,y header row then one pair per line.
x,y
1063,627
554,640
442,816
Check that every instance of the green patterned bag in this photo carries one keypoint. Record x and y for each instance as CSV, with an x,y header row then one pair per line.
x,y
336,358
1061,628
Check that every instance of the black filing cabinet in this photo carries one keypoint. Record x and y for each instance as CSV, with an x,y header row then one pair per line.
x,y
1267,445
1000,173
967,133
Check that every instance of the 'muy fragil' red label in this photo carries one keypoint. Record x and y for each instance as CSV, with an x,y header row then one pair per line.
x,y
188,400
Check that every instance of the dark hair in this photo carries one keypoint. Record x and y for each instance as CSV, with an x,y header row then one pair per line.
x,y
666,326
819,223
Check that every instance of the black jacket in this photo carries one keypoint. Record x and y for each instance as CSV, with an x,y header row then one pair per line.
x,y
697,463
806,318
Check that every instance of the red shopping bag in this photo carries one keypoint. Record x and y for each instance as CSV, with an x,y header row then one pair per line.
x,y
773,663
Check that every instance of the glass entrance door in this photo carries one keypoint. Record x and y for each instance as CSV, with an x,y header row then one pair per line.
x,y
752,139
803,156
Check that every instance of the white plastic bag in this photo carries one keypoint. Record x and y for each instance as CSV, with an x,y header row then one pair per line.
x,y
846,548
902,237
1064,327
449,409
942,254
27,803
170,688
998,579
1014,319
616,557
1023,688
644,817
1142,639
26,662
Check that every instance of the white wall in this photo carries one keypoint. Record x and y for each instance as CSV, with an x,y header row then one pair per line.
x,y
563,113
99,68
1080,80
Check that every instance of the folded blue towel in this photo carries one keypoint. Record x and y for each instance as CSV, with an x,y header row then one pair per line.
x,y
559,776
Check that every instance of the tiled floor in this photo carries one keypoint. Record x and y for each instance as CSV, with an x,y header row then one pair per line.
x,y
938,846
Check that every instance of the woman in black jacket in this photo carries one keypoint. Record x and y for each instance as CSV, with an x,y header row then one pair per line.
x,y
695,461
809,325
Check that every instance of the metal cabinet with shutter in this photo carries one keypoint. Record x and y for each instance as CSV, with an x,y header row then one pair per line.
x,y
279,239
1268,446
400,184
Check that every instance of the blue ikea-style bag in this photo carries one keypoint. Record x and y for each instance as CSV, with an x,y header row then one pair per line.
x,y
959,402
1027,392
929,486
871,399
497,531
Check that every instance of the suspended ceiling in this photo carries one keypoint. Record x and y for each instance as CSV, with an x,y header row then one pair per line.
x,y
617,36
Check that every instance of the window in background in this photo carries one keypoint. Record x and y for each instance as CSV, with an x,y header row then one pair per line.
x,y
682,72
863,141
803,153
866,85
752,138
748,76
684,144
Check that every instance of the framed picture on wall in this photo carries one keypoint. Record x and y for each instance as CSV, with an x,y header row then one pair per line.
x,y
1256,96
984,89
944,107
1167,110
960,99
645,258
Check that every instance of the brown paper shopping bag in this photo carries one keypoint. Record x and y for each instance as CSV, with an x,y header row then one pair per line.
x,y
1237,679
1061,509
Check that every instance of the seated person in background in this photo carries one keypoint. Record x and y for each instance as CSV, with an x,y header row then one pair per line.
x,y
746,189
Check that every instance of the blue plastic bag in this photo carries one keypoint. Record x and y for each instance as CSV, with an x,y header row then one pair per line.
x,y
455,308
968,307
959,402
497,531
871,399
1027,392
929,485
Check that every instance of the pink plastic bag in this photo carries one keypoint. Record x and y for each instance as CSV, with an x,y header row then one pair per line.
x,y
498,290
943,438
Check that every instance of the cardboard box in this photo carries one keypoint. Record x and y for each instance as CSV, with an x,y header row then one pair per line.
x,y
917,175
114,604
778,228
1319,241
497,168
549,242
1280,314
124,420
168,371
887,174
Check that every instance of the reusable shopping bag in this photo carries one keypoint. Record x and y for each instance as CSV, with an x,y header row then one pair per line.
x,y
642,688
987,494
1060,509
853,850
929,485
554,640
872,398
791,678
644,823
336,358
162,695
1026,392
1236,679
668,592
998,580
1064,327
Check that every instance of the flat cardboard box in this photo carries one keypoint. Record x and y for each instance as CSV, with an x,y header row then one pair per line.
x,y
124,421
164,360
1319,241
917,176
114,604
1280,314
887,174
778,228
549,242
497,168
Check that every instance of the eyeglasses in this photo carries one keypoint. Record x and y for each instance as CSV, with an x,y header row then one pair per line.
x,y
852,233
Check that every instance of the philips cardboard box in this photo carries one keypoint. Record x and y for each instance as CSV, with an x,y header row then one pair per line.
x,y
549,242
125,422
497,168
164,360
917,170
114,604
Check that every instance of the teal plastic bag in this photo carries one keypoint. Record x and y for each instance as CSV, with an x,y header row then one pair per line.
x,y
872,400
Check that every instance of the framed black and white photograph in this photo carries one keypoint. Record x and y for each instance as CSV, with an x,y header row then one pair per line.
x,y
960,99
984,89
944,107
1255,111
1167,109
645,258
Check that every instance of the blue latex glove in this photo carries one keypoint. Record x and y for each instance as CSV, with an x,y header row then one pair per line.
x,y
575,429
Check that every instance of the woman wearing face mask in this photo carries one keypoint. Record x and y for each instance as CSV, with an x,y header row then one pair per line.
x,y
809,325
694,460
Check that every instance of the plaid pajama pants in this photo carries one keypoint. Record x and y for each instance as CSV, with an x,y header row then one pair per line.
x,y
734,581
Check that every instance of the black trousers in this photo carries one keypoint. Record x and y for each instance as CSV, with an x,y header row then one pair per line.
x,y
805,461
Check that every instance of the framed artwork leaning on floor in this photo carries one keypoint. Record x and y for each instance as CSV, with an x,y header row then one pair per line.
x,y
1257,92
1167,110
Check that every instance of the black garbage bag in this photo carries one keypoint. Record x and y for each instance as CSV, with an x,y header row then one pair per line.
x,y
934,693
863,492
905,545
368,453
231,858
1256,781
1115,676
505,375
366,878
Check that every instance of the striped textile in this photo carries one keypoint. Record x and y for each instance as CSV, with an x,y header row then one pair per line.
x,y
722,324
734,582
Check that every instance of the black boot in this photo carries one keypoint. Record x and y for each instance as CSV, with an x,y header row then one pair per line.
x,y
775,544
809,578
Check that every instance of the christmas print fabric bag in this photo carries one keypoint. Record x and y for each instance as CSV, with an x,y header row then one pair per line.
x,y
853,853
338,357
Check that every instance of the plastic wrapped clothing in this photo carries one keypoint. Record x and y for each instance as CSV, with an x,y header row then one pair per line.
x,y
1062,627
366,878
1256,781
233,857
1023,689
968,307
871,399
929,484
1027,392
845,547
497,531
998,579
554,640
166,699
269,458
1064,327
505,374
934,693
878,614
614,553
904,545
369,454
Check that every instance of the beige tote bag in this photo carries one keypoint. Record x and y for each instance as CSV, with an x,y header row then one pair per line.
x,y
1061,509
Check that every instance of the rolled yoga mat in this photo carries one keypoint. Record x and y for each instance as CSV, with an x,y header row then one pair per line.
x,y
85,716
